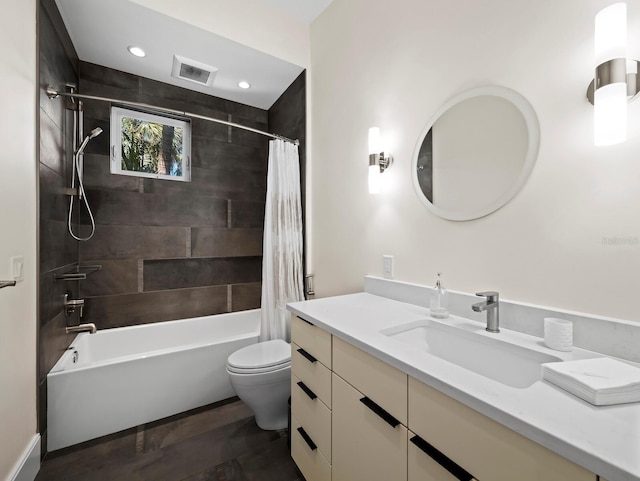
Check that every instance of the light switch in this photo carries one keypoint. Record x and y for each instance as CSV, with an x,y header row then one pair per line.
x,y
16,267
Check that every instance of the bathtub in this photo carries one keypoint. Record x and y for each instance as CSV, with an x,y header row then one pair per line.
x,y
121,378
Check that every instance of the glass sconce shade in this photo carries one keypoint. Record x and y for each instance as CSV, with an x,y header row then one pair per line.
x,y
610,95
375,179
374,140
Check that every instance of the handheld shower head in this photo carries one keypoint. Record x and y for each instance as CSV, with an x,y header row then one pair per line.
x,y
95,132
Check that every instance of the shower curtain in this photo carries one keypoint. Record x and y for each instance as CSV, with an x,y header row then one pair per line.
x,y
282,244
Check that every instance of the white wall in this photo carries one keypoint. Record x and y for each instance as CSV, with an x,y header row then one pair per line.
x,y
17,231
249,22
393,63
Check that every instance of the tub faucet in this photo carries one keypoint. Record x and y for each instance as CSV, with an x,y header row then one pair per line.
x,y
70,305
492,306
89,327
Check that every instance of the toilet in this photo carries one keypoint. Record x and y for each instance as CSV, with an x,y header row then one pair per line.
x,y
261,376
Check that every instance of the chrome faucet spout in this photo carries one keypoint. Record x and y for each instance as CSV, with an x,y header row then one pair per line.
x,y
483,306
88,327
492,307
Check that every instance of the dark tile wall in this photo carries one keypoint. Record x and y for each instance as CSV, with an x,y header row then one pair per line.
x,y
170,249
58,252
287,117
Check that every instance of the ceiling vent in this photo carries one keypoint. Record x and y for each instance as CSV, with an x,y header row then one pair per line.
x,y
198,72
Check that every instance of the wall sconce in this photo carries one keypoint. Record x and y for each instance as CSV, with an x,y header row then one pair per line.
x,y
616,77
378,163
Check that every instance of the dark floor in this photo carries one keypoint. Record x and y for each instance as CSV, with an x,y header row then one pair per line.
x,y
220,442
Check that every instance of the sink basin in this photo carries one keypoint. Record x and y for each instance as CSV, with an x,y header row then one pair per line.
x,y
507,363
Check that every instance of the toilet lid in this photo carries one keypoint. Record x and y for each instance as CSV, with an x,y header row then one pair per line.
x,y
269,354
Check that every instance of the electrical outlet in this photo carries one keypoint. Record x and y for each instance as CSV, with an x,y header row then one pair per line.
x,y
387,267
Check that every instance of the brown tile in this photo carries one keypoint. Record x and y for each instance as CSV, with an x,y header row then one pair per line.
x,y
42,407
102,76
54,204
251,185
210,242
91,460
51,145
53,342
220,442
181,273
113,207
188,209
113,242
215,131
147,307
247,214
214,183
57,248
246,296
97,175
131,242
210,153
115,277
181,427
52,292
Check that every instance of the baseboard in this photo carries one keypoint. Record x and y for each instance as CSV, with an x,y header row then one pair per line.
x,y
29,464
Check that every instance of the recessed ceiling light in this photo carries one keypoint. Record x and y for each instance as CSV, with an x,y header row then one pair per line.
x,y
244,85
137,51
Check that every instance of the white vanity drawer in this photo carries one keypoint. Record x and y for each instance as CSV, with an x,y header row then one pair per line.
x,y
384,384
313,415
313,373
485,448
314,340
310,461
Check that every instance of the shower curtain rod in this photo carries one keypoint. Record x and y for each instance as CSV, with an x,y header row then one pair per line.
x,y
53,93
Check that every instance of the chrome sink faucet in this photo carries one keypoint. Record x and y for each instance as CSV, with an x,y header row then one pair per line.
x,y
492,306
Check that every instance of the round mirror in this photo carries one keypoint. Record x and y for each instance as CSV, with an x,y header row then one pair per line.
x,y
476,153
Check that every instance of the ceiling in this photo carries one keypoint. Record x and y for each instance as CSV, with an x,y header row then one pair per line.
x,y
305,10
102,30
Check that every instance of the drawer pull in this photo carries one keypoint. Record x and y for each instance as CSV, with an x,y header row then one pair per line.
x,y
388,418
307,439
454,469
306,355
304,320
307,391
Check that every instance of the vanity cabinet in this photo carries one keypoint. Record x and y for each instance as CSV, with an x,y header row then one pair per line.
x,y
311,399
357,418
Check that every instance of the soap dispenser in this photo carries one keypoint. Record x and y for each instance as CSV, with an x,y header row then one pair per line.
x,y
439,305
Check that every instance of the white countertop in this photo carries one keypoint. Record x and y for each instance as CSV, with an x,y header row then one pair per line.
x,y
602,439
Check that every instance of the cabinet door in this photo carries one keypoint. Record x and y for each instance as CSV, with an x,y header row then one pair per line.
x,y
365,446
489,450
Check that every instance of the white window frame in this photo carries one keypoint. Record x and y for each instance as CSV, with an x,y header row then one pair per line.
x,y
117,113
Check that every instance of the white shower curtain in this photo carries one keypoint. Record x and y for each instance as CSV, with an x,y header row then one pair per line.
x,y
282,246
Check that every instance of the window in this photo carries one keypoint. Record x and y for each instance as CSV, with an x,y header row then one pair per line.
x,y
150,145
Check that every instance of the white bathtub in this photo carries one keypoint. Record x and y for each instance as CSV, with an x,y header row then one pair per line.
x,y
129,376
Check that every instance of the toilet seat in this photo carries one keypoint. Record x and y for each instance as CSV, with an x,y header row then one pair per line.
x,y
259,358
